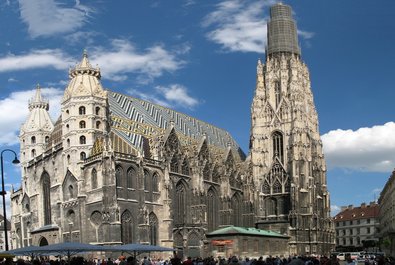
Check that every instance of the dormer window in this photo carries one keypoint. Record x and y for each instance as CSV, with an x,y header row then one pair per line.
x,y
81,110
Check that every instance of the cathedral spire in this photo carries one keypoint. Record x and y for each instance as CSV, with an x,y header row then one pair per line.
x,y
282,33
37,101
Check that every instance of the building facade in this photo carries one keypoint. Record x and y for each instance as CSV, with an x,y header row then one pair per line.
x,y
357,228
387,216
114,169
2,234
287,160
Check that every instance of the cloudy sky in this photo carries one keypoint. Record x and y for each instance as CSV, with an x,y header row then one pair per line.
x,y
200,57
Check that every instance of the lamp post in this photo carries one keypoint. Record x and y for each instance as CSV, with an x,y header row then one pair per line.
x,y
3,192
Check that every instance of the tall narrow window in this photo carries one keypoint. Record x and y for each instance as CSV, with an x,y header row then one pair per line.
x,y
46,186
81,110
155,182
94,179
98,123
127,228
33,139
82,140
185,167
46,139
236,209
277,92
97,110
82,156
33,153
153,229
180,204
278,146
131,178
82,124
68,142
212,210
71,191
146,180
174,164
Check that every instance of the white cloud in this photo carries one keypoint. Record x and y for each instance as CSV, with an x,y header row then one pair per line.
x,y
366,149
50,17
123,58
177,94
17,104
11,79
36,59
239,25
174,95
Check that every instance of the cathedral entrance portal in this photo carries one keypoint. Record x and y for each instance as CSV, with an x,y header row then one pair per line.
x,y
43,242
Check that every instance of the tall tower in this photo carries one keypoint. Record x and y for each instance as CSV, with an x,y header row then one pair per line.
x,y
35,132
84,114
287,161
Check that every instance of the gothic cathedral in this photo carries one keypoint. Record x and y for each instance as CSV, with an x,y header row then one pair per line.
x,y
114,169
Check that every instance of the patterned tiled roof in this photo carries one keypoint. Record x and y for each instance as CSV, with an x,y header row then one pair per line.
x,y
135,119
235,230
355,213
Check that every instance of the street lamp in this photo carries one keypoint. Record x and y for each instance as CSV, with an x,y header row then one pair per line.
x,y
3,192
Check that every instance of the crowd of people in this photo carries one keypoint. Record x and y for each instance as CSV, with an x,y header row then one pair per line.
x,y
294,260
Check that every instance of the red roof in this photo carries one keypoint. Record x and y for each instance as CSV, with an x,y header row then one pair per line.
x,y
355,213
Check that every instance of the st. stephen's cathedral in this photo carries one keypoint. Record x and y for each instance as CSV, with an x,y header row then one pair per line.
x,y
114,169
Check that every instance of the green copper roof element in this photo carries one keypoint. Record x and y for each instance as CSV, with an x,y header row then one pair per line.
x,y
235,230
281,31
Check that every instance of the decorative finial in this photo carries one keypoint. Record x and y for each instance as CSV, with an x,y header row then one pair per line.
x,y
85,54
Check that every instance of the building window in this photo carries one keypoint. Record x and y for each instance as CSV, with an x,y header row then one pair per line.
x,y
368,221
46,186
82,140
174,164
68,142
153,229
68,159
33,139
350,230
82,124
81,110
97,110
367,230
351,223
46,139
71,191
98,123
127,228
82,156
180,204
185,167
155,182
33,153
94,179
277,92
278,148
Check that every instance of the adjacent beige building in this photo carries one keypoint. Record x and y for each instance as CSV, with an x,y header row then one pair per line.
x,y
357,227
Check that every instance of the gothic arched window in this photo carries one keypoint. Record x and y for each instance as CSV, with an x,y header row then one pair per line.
x,y
185,167
212,210
206,172
94,179
155,182
127,228
146,180
81,110
82,156
277,187
46,187
118,176
180,204
131,180
236,210
153,229
215,175
278,146
174,164
33,139
82,139
82,124
266,188
71,192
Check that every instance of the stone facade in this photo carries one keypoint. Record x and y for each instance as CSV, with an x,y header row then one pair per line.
x,y
356,225
114,169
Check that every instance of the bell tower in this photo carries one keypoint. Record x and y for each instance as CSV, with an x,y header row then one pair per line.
x,y
287,161
84,113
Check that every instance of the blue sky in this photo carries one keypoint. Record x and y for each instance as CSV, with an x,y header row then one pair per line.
x,y
199,57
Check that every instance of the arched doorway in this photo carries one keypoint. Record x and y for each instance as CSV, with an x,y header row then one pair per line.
x,y
43,242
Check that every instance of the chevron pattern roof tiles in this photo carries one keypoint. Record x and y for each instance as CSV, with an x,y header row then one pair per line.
x,y
141,118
